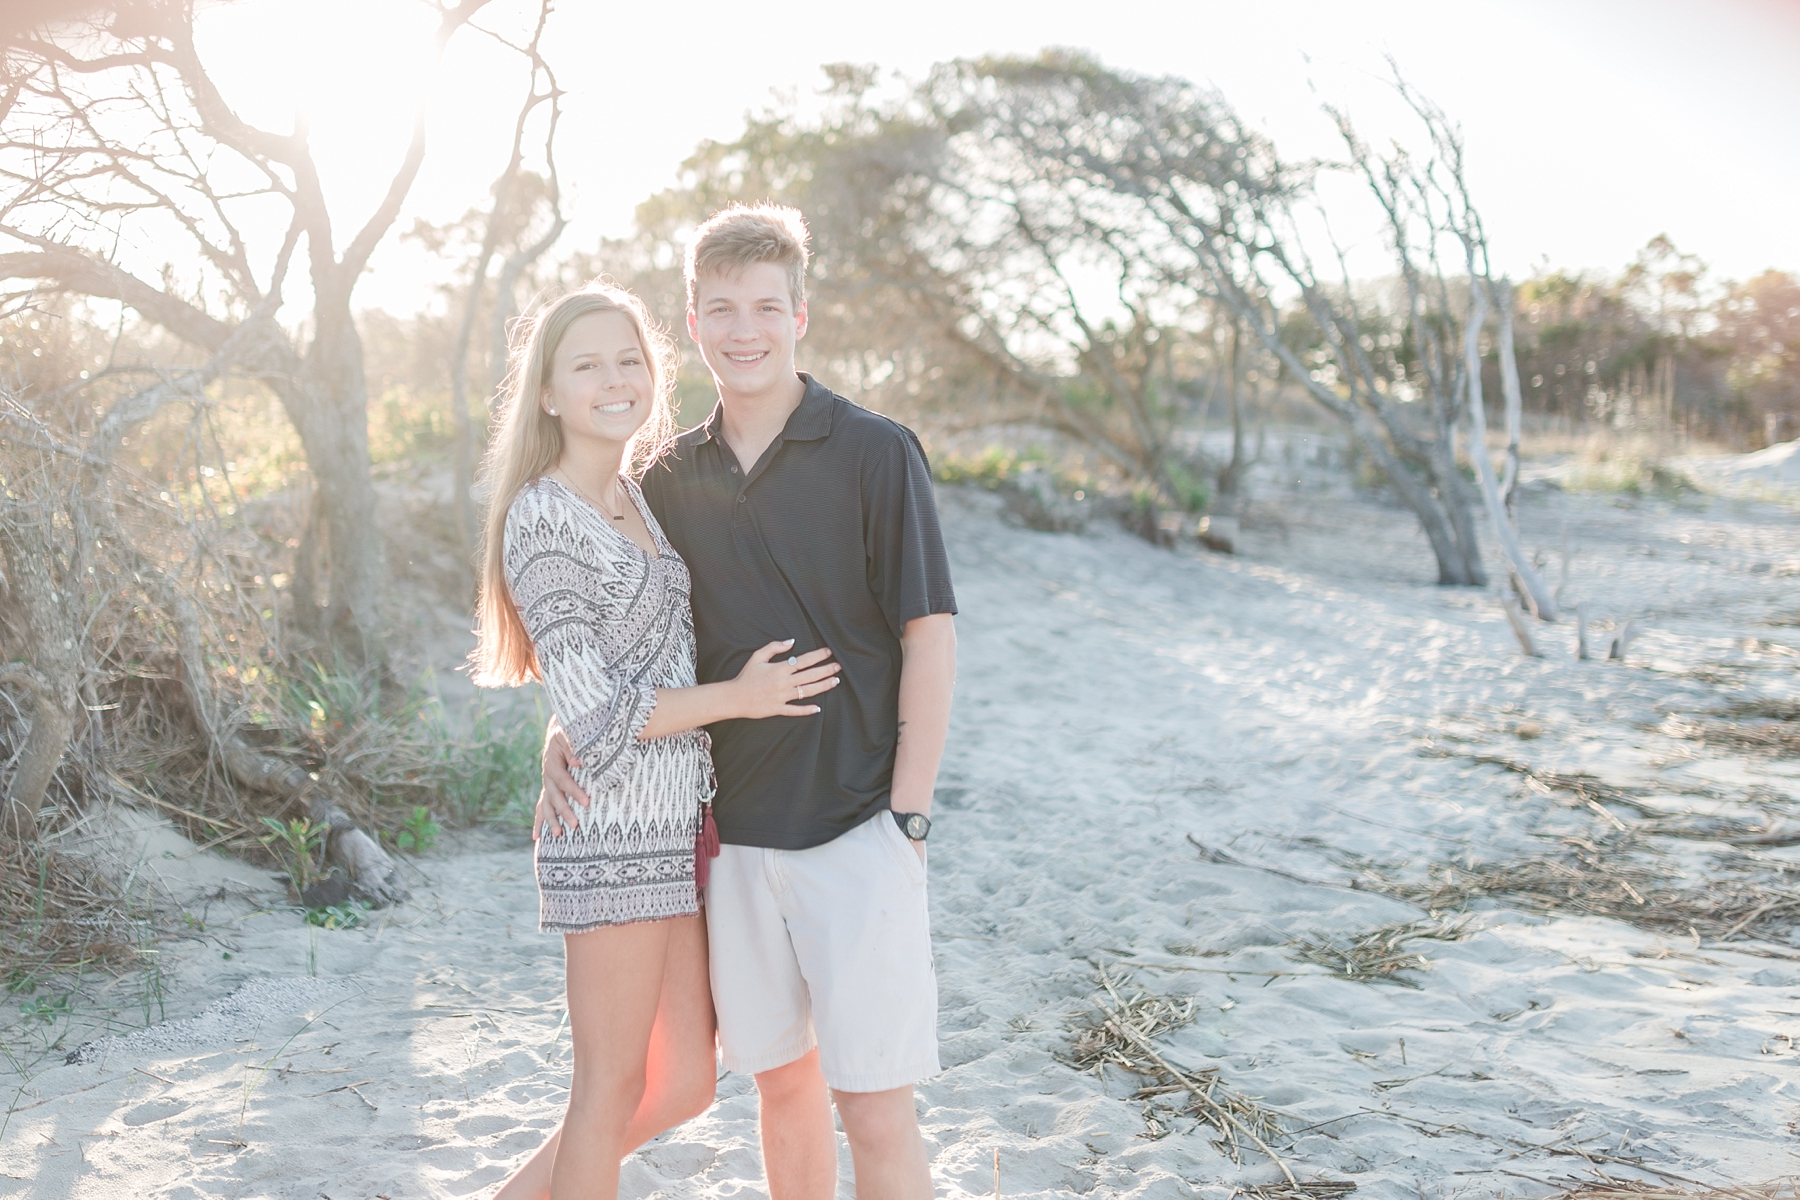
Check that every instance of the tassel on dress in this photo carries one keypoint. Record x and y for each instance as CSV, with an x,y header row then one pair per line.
x,y
706,846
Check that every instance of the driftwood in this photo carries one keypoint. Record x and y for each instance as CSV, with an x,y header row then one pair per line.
x,y
1520,629
373,873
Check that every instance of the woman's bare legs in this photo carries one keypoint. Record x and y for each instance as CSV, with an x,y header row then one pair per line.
x,y
675,1079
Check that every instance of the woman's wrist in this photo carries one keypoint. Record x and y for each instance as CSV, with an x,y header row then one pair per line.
x,y
735,700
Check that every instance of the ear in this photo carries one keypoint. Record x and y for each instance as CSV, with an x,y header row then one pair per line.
x,y
544,402
693,325
800,321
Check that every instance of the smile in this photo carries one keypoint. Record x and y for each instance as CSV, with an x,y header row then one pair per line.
x,y
616,407
758,356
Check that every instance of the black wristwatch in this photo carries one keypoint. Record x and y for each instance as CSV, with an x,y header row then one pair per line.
x,y
914,825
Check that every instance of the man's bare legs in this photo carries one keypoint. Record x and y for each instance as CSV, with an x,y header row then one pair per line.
x,y
678,1076
800,1144
799,1141
885,1146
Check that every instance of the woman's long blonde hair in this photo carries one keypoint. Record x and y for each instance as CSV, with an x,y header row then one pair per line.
x,y
526,444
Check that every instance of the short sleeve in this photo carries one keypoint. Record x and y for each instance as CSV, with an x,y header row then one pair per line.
x,y
909,572
557,572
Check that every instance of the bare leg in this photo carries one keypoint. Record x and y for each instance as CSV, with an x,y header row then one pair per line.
x,y
614,981
885,1146
799,1142
680,1066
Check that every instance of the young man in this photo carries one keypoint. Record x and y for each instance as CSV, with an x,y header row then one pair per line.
x,y
803,516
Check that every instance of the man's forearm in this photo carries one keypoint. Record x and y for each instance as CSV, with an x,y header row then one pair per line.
x,y
927,681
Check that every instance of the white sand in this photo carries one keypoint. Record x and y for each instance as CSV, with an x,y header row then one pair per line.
x,y
1114,699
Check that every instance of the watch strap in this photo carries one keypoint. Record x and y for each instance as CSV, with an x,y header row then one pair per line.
x,y
903,819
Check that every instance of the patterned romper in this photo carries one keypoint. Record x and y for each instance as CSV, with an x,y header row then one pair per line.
x,y
611,624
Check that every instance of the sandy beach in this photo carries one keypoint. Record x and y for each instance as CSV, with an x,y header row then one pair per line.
x,y
1181,769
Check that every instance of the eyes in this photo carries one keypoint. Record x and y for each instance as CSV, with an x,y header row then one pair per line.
x,y
630,360
724,310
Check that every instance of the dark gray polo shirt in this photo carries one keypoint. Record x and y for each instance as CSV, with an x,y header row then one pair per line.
x,y
831,539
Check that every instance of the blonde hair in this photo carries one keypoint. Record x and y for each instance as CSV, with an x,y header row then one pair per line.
x,y
742,235
528,442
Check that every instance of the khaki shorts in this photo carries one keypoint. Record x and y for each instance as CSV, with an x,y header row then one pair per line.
x,y
829,946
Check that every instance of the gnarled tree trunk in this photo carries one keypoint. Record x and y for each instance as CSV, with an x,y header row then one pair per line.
x,y
45,620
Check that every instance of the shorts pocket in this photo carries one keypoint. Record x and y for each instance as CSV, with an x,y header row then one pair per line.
x,y
910,862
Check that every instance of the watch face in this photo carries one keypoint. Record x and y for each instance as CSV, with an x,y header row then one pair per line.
x,y
916,826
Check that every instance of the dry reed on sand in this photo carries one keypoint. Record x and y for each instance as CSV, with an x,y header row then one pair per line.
x,y
56,914
1588,789
1635,1190
1379,953
1122,1034
1765,726
1312,1189
1608,877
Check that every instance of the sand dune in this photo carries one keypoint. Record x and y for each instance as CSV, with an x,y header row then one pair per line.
x,y
1309,711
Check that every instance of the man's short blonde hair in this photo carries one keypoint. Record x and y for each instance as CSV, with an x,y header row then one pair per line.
x,y
746,234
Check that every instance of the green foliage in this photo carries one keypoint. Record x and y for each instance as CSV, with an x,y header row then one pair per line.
x,y
1189,489
989,469
403,755
1631,474
336,916
418,833
299,846
20,980
491,772
48,1008
1369,475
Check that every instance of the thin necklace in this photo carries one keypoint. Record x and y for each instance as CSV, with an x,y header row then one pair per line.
x,y
619,516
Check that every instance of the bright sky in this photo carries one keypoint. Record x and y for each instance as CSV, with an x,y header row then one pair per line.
x,y
1592,125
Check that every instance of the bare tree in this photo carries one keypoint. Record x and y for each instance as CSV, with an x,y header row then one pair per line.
x,y
113,126
1172,173
1439,193
509,212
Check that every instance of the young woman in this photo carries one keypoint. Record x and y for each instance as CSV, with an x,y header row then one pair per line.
x,y
581,590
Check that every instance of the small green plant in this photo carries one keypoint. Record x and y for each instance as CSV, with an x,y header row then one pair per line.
x,y
418,832
21,981
491,770
48,1008
989,469
1631,470
336,916
299,846
1189,488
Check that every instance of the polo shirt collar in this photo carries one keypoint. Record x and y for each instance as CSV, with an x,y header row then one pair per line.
x,y
812,420
807,423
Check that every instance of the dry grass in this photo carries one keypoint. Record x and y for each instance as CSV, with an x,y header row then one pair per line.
x,y
57,914
1763,726
1633,462
1378,954
1585,788
1122,1033
1595,792
1310,1189
1609,878
1634,1190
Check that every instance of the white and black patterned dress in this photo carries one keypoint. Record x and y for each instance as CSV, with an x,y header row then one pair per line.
x,y
611,624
